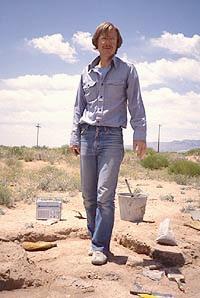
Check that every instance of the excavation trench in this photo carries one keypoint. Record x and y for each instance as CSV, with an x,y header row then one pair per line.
x,y
18,271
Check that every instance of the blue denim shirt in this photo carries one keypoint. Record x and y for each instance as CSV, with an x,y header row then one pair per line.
x,y
103,100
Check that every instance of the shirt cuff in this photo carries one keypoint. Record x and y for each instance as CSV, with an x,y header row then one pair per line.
x,y
75,140
139,134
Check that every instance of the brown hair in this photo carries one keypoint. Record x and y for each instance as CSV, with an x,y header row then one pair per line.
x,y
104,28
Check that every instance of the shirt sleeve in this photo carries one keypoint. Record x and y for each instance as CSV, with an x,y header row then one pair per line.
x,y
80,104
136,106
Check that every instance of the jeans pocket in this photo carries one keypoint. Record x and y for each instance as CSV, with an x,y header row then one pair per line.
x,y
83,128
115,131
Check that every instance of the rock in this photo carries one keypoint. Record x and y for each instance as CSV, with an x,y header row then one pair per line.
x,y
187,208
153,274
130,242
155,265
168,255
83,285
189,200
51,221
159,186
195,214
65,200
134,261
29,225
178,277
168,197
2,212
93,275
137,190
16,270
111,276
138,288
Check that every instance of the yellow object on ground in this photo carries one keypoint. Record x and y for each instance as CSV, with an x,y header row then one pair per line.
x,y
40,245
193,224
147,296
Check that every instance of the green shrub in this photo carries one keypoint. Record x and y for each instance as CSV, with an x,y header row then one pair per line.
x,y
17,152
54,179
150,151
64,149
12,172
26,194
195,152
185,167
5,195
155,161
29,155
130,166
180,179
13,163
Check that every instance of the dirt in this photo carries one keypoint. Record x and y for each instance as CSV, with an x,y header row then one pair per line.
x,y
66,270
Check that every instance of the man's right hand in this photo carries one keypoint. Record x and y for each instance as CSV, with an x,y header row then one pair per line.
x,y
75,149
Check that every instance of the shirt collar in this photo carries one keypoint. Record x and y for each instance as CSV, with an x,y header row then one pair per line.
x,y
95,62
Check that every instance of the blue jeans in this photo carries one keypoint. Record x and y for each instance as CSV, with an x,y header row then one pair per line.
x,y
101,154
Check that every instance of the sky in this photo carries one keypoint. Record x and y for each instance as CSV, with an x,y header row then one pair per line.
x,y
46,44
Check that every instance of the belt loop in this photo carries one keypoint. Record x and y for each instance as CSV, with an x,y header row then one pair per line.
x,y
97,132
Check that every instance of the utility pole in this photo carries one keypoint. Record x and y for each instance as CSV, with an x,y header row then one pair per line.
x,y
159,138
38,127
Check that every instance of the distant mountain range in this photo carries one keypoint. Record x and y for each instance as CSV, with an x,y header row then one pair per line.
x,y
174,146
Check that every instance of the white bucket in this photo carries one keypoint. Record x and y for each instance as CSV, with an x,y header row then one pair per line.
x,y
132,208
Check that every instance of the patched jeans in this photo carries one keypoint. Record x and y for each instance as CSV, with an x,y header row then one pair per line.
x,y
101,154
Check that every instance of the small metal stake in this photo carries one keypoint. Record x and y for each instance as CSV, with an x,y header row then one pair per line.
x,y
129,188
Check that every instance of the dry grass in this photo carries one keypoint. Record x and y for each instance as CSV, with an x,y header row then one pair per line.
x,y
26,172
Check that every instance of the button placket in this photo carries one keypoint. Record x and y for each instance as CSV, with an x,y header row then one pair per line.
x,y
100,101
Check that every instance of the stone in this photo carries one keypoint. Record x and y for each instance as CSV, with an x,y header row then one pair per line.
x,y
159,186
153,274
29,225
195,214
168,197
134,261
168,255
2,212
111,276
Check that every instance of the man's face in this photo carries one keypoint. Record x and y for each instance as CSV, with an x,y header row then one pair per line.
x,y
107,43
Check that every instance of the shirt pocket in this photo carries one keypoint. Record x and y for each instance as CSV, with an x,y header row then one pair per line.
x,y
115,89
90,90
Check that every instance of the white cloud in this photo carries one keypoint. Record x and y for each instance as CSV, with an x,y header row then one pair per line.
x,y
23,103
162,71
179,44
175,112
83,39
43,82
55,44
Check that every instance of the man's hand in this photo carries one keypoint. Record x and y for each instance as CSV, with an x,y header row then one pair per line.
x,y
75,149
140,148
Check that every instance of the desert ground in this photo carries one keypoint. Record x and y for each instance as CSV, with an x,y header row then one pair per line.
x,y
137,260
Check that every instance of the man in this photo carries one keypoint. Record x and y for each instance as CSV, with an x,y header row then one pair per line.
x,y
107,86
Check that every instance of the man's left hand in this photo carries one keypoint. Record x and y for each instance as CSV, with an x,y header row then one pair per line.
x,y
140,148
